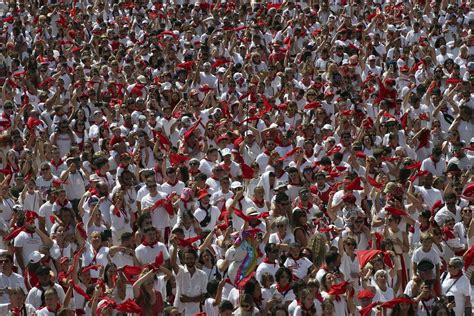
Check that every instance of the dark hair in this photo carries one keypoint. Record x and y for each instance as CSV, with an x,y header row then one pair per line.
x,y
298,285
192,251
250,286
126,236
438,306
141,219
225,306
212,287
411,310
295,218
269,247
281,271
331,257
279,308
107,268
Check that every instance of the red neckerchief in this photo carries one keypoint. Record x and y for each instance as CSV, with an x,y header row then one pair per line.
x,y
120,210
283,289
268,261
266,152
94,258
56,164
97,172
309,153
157,169
121,165
260,203
308,206
319,297
17,311
147,244
58,307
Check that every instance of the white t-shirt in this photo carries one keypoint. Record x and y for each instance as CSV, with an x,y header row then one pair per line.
x,y
299,267
147,254
28,242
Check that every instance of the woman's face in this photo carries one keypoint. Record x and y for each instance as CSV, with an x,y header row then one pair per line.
x,y
442,312
51,300
330,279
381,279
17,298
284,279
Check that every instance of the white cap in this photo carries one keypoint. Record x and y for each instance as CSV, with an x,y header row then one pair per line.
x,y
35,257
235,185
372,57
328,127
225,152
166,86
237,76
94,177
249,132
280,184
221,70
472,140
141,79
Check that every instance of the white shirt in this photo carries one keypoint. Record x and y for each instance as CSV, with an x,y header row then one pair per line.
x,y
159,216
28,242
437,169
75,185
190,285
266,267
14,280
147,254
34,296
459,290
299,267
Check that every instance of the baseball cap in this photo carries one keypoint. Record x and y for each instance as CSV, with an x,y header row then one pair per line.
x,y
328,127
235,185
35,257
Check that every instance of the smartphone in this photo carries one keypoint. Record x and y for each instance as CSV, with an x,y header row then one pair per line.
x,y
451,299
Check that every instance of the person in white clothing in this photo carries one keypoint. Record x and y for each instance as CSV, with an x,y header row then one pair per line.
x,y
8,278
456,285
191,283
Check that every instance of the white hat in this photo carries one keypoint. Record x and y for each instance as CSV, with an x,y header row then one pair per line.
x,y
249,132
372,57
235,185
251,211
225,152
166,86
94,177
141,79
280,184
391,28
472,140
328,127
35,257
221,70
237,76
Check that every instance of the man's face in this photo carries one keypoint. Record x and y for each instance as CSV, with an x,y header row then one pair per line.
x,y
189,260
5,264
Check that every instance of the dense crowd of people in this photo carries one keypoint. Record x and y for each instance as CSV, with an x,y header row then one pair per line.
x,y
236,157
